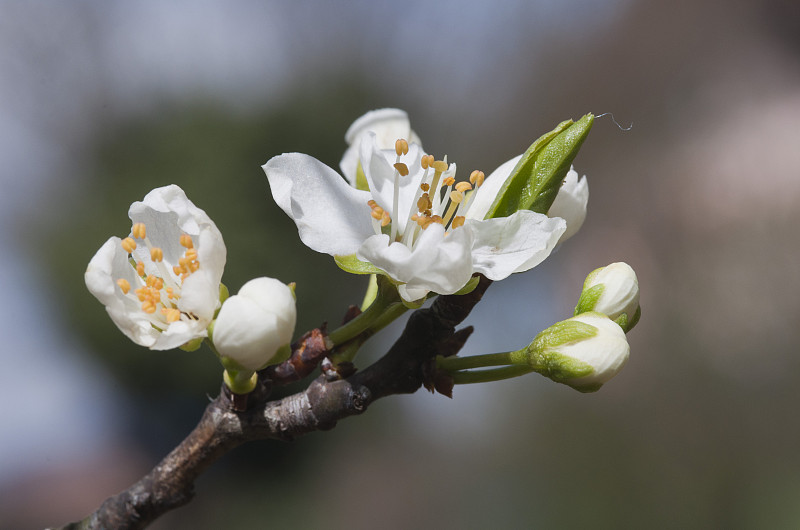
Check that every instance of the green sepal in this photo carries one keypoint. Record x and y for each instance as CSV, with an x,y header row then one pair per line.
x,y
560,333
622,321
562,368
283,353
632,322
354,265
223,295
535,180
588,300
361,179
469,286
192,345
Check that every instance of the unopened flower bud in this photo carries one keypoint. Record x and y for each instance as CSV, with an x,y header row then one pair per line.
x,y
254,327
614,291
583,352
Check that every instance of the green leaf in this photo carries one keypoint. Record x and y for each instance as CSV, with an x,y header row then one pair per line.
x,y
354,265
537,177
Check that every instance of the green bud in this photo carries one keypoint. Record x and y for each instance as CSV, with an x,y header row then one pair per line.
x,y
193,344
537,177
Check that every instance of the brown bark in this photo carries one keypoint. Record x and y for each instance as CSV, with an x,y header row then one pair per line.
x,y
402,370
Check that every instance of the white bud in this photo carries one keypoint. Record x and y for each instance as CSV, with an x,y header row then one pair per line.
x,y
255,324
614,291
583,352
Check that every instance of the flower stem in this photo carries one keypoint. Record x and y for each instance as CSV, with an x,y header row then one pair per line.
x,y
386,297
487,376
452,364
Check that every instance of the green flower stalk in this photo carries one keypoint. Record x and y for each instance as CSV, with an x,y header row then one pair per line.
x,y
583,352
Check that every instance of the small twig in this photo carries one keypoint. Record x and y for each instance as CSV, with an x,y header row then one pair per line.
x,y
170,484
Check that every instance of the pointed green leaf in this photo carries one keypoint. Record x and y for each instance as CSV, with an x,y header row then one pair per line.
x,y
537,177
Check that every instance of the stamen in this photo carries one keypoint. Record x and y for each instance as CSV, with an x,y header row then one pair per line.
x,y
124,285
172,314
156,254
401,147
477,178
440,166
186,241
449,181
463,186
386,219
401,168
425,186
139,231
424,203
140,268
458,220
128,245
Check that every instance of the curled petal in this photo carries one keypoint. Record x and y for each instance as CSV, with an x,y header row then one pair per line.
x,y
438,262
331,216
485,195
570,203
387,124
506,245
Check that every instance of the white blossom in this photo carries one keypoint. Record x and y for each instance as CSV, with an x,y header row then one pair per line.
x,y
414,223
160,285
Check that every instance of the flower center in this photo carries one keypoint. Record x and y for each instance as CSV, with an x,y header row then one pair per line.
x,y
158,293
438,199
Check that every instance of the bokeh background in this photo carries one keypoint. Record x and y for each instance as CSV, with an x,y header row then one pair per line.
x,y
102,101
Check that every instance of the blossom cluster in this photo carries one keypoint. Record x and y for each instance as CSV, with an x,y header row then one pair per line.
x,y
394,210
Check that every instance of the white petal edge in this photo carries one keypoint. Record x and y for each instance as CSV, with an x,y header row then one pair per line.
x,y
331,216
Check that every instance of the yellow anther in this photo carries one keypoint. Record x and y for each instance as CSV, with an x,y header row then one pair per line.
x,y
172,314
477,178
191,254
170,293
140,268
377,213
386,219
139,231
437,219
372,203
156,254
186,241
401,147
178,270
148,307
449,181
427,161
150,280
463,186
424,202
424,186
440,166
401,168
193,266
158,284
124,285
128,245
458,220
456,196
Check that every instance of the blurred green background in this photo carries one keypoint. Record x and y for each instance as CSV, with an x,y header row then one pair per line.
x,y
102,101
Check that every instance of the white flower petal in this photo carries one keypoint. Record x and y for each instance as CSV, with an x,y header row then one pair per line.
x,y
512,244
486,194
437,262
331,216
388,126
570,203
378,165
